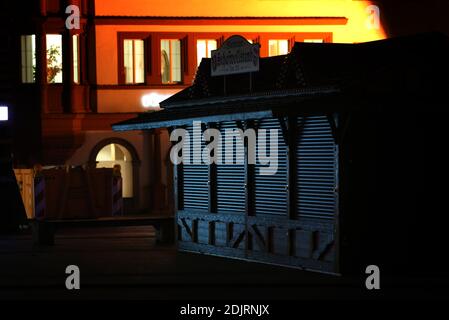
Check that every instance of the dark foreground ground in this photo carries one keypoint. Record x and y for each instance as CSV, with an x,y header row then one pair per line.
x,y
125,263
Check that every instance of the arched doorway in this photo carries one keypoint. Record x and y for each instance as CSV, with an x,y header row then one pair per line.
x,y
113,154
112,151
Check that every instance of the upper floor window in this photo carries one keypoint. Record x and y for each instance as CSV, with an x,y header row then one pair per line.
x,y
277,47
155,58
28,48
171,61
76,59
314,40
204,49
54,58
134,65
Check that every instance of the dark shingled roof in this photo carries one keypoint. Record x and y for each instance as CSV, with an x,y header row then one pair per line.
x,y
404,65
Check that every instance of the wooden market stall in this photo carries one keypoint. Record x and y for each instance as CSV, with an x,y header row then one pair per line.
x,y
340,198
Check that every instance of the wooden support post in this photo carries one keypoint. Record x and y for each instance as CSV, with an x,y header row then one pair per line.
x,y
292,172
178,192
212,183
158,187
249,176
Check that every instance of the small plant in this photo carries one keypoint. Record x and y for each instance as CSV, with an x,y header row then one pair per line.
x,y
53,68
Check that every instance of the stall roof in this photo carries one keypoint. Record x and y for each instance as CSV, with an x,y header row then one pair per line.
x,y
311,71
241,107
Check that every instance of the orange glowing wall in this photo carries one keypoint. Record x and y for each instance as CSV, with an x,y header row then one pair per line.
x,y
357,28
355,10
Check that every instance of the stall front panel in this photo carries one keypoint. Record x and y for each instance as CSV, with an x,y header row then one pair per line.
x,y
288,217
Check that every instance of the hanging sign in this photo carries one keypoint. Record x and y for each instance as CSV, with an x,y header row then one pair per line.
x,y
236,55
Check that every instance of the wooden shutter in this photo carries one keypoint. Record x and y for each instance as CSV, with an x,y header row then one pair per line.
x,y
230,180
316,158
271,190
195,181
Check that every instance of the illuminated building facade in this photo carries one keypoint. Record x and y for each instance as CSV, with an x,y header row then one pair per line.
x,y
70,86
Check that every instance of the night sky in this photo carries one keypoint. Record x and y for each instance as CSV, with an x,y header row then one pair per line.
x,y
405,17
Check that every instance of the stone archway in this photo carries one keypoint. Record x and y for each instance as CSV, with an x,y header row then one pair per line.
x,y
126,155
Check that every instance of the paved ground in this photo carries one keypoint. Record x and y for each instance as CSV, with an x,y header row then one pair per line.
x,y
125,263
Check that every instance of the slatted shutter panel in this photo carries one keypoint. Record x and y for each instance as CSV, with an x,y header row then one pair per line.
x,y
317,168
230,179
195,177
271,190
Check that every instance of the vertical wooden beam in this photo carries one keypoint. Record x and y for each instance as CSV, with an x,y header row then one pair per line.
x,y
179,191
158,187
249,176
175,188
289,131
342,124
249,187
178,182
283,122
176,175
292,171
212,181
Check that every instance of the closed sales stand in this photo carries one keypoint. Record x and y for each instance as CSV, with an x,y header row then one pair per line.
x,y
347,118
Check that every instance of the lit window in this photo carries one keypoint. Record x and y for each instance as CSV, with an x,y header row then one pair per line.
x,y
54,58
3,113
134,56
171,61
314,40
28,44
277,47
76,59
204,49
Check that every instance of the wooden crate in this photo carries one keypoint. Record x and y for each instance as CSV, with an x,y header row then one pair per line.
x,y
70,193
